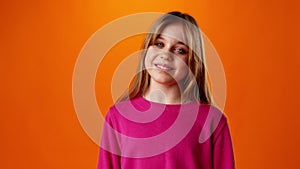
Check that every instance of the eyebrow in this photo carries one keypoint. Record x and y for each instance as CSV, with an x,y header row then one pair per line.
x,y
179,42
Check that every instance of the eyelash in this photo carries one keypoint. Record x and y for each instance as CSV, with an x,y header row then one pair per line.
x,y
181,51
158,44
176,50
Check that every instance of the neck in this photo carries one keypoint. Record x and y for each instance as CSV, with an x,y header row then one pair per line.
x,y
162,93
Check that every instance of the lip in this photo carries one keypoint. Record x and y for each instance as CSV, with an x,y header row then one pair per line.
x,y
163,67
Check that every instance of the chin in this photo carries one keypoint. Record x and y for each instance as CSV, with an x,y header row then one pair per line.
x,y
164,81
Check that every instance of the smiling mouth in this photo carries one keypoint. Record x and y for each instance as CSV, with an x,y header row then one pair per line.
x,y
163,67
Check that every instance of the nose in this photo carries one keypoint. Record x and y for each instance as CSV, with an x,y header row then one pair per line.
x,y
166,54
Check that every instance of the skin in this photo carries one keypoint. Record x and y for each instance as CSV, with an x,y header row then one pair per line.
x,y
166,63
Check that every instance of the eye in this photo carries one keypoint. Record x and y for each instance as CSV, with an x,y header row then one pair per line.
x,y
158,44
181,51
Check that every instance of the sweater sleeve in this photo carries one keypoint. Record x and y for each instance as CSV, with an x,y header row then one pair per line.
x,y
109,157
223,157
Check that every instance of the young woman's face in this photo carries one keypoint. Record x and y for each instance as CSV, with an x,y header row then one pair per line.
x,y
166,58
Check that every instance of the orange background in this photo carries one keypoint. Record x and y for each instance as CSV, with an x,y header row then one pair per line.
x,y
40,41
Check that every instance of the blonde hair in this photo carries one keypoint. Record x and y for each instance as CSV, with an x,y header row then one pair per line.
x,y
195,85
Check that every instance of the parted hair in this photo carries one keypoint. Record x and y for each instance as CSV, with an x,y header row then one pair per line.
x,y
195,86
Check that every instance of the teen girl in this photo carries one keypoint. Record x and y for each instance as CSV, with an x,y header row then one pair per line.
x,y
167,120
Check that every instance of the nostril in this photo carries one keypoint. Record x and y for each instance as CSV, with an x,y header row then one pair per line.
x,y
165,55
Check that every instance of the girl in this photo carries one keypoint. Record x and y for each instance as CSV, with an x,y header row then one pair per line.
x,y
167,120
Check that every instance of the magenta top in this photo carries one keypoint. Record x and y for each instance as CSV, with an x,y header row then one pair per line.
x,y
140,134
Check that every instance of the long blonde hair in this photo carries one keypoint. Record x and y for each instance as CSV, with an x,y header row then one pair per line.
x,y
195,85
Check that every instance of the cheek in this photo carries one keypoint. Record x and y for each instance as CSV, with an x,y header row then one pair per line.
x,y
181,62
182,69
149,58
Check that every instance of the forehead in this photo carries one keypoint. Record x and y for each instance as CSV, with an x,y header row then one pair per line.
x,y
174,31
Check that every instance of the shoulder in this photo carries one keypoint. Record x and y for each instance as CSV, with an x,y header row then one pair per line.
x,y
120,109
213,121
212,113
119,105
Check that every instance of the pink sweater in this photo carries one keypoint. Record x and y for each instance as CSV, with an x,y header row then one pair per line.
x,y
140,134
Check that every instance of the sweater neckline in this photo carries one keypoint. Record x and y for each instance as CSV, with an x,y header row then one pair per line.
x,y
149,102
